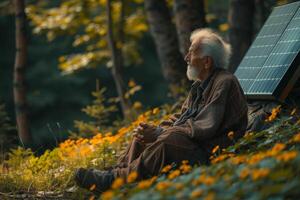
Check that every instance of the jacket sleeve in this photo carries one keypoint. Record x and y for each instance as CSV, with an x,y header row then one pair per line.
x,y
169,122
207,122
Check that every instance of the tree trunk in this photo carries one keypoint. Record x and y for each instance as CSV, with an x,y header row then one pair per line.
x,y
116,56
19,89
189,15
164,34
241,14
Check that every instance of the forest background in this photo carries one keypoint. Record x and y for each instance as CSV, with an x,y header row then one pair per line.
x,y
69,59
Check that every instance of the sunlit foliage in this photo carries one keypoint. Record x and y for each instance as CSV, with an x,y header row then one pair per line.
x,y
85,21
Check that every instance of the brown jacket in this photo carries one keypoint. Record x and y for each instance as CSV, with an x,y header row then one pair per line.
x,y
223,109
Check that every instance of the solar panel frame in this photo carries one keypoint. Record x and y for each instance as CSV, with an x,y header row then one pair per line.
x,y
259,76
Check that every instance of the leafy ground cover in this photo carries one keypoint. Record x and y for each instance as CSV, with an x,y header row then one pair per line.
x,y
260,165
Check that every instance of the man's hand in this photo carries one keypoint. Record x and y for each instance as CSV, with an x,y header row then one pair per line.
x,y
146,133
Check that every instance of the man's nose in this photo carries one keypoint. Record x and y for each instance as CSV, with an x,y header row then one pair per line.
x,y
186,58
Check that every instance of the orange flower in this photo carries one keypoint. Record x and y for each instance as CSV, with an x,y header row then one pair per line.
x,y
107,195
92,187
196,193
275,112
207,180
276,149
215,149
92,197
231,135
244,173
210,196
174,174
161,186
238,159
117,183
146,183
132,177
166,169
287,156
260,173
185,168
221,158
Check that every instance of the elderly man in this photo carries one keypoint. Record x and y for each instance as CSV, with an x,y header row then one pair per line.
x,y
215,106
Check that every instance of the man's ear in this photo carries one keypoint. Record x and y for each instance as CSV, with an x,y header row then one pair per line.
x,y
208,61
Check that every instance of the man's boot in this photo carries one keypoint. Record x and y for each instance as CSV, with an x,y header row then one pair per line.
x,y
87,177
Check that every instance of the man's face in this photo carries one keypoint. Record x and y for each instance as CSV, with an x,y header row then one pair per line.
x,y
195,62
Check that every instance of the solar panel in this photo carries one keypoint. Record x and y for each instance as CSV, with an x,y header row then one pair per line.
x,y
269,68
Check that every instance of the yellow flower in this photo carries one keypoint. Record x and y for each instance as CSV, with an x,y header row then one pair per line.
x,y
224,27
215,149
107,195
161,186
166,169
92,187
231,135
132,177
185,162
248,134
296,138
131,83
293,111
155,111
196,193
287,156
118,182
137,105
174,174
260,173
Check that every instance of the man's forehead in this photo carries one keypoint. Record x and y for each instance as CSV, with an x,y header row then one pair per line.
x,y
195,45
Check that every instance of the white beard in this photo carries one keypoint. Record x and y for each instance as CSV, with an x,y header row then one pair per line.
x,y
192,73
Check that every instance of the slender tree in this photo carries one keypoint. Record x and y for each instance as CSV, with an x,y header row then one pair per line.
x,y
19,89
189,15
240,17
117,58
164,34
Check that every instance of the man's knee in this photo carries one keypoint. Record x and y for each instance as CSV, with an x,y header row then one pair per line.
x,y
176,139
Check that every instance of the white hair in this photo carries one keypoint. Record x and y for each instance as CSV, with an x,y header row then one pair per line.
x,y
211,44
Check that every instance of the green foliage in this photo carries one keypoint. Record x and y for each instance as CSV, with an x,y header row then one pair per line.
x,y
85,21
8,135
99,111
5,126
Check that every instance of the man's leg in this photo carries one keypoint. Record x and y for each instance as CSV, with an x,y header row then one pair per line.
x,y
132,152
103,179
170,147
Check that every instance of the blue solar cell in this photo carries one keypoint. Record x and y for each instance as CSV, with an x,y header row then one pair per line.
x,y
272,53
